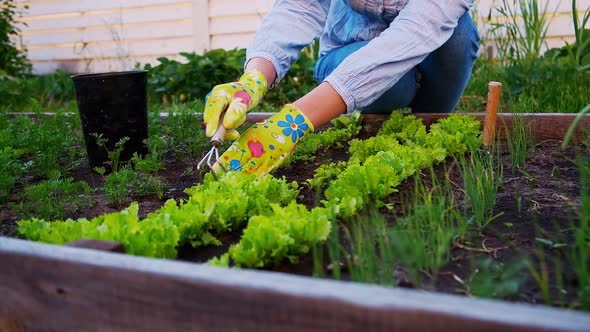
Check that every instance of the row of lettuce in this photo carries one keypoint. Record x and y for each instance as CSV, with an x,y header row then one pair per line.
x,y
275,227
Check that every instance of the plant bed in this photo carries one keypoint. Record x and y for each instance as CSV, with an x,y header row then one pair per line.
x,y
175,179
535,204
535,200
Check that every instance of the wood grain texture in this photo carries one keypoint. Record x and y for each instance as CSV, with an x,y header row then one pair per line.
x,y
489,122
54,7
543,126
102,245
72,17
201,26
52,288
106,33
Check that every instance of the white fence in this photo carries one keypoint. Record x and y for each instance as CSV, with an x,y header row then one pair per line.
x,y
106,35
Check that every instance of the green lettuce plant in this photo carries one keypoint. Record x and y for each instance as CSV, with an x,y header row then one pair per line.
x,y
212,207
358,186
285,234
342,129
277,228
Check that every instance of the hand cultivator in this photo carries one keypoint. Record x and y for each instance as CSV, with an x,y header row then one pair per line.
x,y
213,155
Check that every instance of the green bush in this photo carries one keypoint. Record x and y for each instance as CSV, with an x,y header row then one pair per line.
x,y
557,87
51,91
13,60
174,81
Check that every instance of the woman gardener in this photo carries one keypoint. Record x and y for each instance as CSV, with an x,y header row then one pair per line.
x,y
375,55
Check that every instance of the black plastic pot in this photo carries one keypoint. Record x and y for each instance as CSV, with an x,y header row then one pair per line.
x,y
113,105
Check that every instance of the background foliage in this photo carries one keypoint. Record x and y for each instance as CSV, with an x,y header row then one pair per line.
x,y
175,81
554,81
13,60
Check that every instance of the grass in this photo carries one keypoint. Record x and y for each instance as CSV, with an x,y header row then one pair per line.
x,y
566,93
579,51
44,144
541,275
572,128
579,253
519,137
371,256
524,70
570,246
520,34
519,142
422,238
10,171
149,185
419,241
482,175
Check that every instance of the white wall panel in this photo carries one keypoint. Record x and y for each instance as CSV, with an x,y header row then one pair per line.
x,y
91,35
230,41
135,31
79,20
40,8
84,35
124,49
221,8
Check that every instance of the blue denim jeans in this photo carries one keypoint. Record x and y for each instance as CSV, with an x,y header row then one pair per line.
x,y
434,86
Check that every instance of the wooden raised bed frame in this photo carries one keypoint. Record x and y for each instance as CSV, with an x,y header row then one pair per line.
x,y
67,288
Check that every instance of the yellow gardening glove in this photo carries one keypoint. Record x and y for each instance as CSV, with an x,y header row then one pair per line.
x,y
236,100
265,145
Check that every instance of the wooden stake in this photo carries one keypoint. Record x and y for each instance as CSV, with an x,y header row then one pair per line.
x,y
489,123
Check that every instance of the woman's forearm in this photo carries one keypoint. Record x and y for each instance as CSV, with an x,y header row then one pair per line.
x,y
265,67
321,105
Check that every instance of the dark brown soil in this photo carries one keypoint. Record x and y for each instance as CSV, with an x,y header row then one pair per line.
x,y
177,176
537,202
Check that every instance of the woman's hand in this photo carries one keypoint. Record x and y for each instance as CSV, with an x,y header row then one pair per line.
x,y
229,103
265,145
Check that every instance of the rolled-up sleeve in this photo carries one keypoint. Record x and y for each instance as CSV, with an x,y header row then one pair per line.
x,y
420,28
286,30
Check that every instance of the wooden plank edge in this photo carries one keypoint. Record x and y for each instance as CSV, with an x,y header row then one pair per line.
x,y
47,287
102,245
544,126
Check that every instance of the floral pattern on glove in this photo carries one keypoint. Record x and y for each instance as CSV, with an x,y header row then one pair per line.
x,y
294,127
267,143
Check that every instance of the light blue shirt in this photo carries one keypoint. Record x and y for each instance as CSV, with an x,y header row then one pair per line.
x,y
402,33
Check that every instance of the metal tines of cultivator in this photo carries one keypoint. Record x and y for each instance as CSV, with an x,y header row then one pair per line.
x,y
213,155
